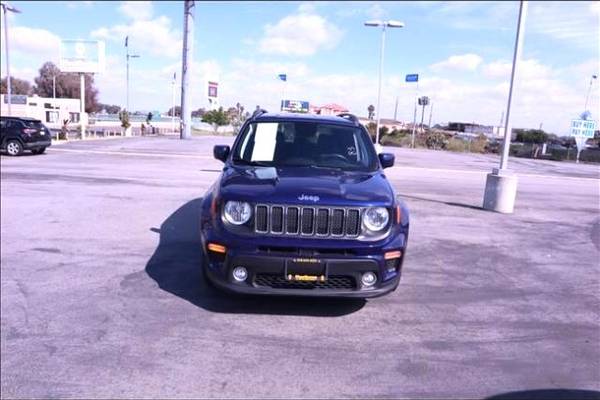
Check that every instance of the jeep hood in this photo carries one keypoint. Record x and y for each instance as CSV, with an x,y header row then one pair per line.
x,y
309,186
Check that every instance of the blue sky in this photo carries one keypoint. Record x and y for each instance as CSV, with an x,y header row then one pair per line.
x,y
462,51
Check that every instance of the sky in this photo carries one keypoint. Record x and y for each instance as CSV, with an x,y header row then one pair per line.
x,y
462,52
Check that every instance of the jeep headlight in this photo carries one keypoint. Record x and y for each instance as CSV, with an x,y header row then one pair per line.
x,y
237,212
376,218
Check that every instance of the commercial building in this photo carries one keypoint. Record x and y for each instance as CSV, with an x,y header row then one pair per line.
x,y
52,112
328,109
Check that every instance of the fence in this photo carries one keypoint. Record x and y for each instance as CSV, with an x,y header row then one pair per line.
x,y
102,132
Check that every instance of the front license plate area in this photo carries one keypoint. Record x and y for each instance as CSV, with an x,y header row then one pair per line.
x,y
305,270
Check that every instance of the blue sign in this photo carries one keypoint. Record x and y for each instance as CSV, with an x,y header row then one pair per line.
x,y
283,77
412,78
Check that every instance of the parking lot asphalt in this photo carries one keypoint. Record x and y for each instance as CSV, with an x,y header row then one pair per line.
x,y
102,294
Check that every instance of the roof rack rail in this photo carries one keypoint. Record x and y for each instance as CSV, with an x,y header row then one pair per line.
x,y
349,116
259,112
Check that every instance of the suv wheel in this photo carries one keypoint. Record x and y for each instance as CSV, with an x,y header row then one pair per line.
x,y
14,148
39,151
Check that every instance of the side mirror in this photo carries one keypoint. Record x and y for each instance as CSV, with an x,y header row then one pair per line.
x,y
386,160
221,152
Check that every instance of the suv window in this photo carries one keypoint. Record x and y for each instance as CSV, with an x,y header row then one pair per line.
x,y
304,144
33,124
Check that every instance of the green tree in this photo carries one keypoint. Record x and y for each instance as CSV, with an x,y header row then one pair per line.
x,y
371,110
124,118
17,86
67,86
216,118
149,117
110,109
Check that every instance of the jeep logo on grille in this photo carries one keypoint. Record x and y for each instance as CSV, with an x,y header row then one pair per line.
x,y
305,197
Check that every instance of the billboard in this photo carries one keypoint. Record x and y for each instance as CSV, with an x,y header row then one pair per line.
x,y
297,106
86,56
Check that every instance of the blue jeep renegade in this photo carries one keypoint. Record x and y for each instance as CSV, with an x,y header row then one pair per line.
x,y
303,207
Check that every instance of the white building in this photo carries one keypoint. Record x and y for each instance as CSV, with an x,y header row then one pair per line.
x,y
52,112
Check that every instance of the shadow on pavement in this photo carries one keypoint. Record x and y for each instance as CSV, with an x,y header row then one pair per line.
x,y
548,394
448,203
176,267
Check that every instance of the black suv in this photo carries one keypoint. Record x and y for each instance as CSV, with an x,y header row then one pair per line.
x,y
22,133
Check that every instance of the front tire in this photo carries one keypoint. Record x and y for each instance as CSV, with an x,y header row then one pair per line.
x,y
39,151
14,148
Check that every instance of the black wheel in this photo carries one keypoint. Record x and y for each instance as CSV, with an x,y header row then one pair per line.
x,y
39,151
14,148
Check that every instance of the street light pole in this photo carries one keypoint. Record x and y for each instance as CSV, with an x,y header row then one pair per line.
x,y
384,25
501,185
188,44
587,97
6,8
128,56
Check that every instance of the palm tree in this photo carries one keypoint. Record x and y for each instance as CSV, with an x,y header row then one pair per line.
x,y
371,110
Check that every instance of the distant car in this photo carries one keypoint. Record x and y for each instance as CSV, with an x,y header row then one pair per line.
x,y
303,207
21,133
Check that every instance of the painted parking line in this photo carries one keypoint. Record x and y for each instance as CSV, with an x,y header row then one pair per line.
x,y
466,171
131,153
397,167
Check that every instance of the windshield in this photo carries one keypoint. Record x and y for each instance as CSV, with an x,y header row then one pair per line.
x,y
305,144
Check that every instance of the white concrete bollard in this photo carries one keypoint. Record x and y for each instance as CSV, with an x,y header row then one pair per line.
x,y
500,191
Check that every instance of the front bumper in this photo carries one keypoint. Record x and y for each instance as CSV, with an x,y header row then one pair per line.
x,y
267,267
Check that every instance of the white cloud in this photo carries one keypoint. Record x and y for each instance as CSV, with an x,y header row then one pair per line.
x,y
530,68
300,34
575,23
153,37
463,62
375,11
136,10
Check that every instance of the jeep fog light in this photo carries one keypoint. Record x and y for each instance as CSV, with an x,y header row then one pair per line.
x,y
240,274
368,279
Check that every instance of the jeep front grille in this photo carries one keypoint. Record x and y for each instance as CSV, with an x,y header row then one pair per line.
x,y
334,222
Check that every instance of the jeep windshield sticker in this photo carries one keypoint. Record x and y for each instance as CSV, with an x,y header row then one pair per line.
x,y
264,141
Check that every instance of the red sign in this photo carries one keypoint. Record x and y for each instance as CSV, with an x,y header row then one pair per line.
x,y
212,89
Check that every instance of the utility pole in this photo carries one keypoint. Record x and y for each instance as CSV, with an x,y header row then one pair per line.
x,y
587,97
430,112
501,185
415,118
396,110
128,56
6,8
173,102
422,115
188,44
82,119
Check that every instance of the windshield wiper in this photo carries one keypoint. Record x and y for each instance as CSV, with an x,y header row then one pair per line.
x,y
252,163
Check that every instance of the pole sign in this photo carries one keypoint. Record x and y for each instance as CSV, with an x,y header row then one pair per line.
x,y
82,56
295,106
582,130
212,89
412,78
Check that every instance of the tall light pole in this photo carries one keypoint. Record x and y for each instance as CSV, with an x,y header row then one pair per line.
x,y
5,8
188,44
173,102
128,56
501,185
383,25
587,97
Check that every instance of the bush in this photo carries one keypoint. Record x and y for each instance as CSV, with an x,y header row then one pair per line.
x,y
478,145
436,141
124,118
455,144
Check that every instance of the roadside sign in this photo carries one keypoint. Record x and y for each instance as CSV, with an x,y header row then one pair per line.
x,y
412,78
83,56
583,128
212,89
295,106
